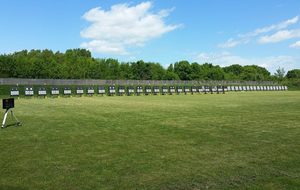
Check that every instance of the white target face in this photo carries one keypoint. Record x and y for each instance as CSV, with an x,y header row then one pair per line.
x,y
42,92
14,93
28,92
67,92
55,92
79,91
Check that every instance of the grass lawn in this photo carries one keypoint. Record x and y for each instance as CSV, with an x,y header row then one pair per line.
x,y
247,140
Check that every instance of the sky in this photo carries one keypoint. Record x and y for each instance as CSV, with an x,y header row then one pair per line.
x,y
264,33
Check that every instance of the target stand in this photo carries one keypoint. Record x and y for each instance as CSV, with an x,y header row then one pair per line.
x,y
8,104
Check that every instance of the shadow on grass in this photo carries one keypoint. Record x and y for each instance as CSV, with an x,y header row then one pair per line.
x,y
17,124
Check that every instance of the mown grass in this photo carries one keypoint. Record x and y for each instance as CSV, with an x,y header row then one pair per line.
x,y
241,140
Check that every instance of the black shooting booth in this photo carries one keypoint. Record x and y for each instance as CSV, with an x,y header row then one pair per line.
x,y
220,89
156,90
67,91
139,90
79,91
42,92
130,90
121,90
29,91
101,90
194,89
179,89
148,90
225,89
201,89
54,91
172,90
265,88
14,91
261,88
90,91
186,89
273,88
213,89
8,104
206,89
111,90
164,90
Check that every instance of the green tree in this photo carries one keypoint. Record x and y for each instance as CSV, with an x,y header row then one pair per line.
x,y
157,71
183,70
125,71
171,76
279,74
293,74
196,71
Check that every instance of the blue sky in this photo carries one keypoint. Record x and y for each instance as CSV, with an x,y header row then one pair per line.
x,y
265,33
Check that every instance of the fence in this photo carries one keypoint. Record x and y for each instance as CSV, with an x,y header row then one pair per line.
x,y
20,81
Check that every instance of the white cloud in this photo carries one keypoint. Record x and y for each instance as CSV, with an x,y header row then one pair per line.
x,y
247,37
274,27
233,43
226,59
123,26
295,45
279,36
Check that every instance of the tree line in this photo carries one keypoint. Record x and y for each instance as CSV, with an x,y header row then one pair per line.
x,y
79,64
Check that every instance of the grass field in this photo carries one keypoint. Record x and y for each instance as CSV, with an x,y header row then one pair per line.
x,y
233,141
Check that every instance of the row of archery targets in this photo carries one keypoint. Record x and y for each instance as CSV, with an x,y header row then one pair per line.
x,y
120,90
